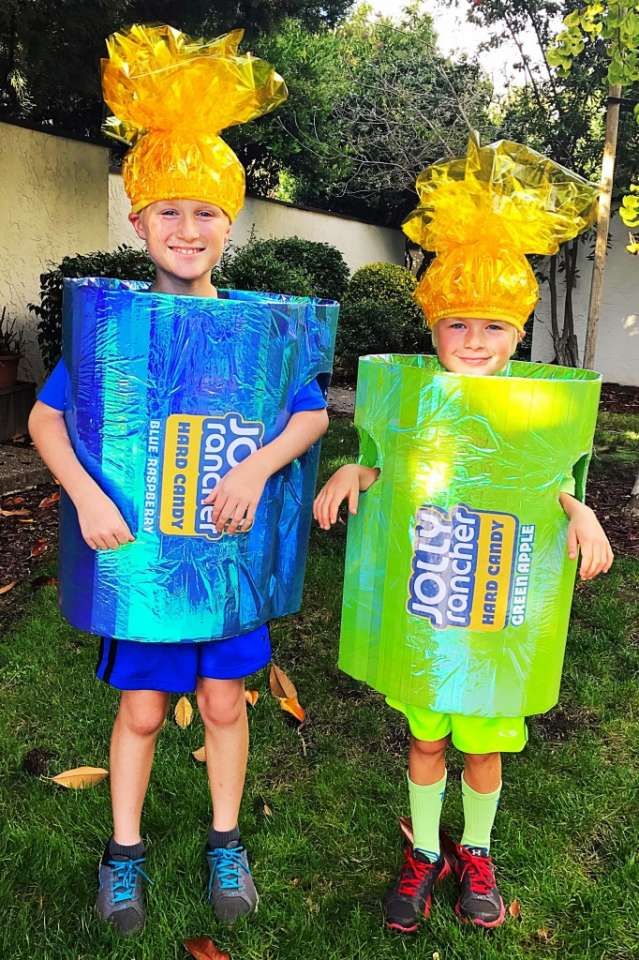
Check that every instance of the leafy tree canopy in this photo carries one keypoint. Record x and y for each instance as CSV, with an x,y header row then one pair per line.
x,y
49,49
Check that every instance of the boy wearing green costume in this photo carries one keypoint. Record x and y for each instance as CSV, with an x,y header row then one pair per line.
x,y
481,214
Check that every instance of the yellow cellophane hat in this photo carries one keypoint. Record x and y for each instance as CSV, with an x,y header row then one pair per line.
x,y
172,96
482,214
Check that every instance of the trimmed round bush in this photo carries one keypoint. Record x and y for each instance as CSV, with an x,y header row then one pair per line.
x,y
379,315
291,265
257,267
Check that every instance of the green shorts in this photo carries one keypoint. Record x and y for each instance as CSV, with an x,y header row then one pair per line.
x,y
468,734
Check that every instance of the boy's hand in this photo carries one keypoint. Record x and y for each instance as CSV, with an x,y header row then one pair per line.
x,y
585,533
237,495
103,526
346,484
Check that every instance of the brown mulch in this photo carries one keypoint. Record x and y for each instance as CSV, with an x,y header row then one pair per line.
x,y
28,536
607,495
616,398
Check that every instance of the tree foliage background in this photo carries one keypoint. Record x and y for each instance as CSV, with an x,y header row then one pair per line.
x,y
50,49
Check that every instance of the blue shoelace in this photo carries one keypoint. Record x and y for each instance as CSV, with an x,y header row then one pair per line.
x,y
125,875
227,863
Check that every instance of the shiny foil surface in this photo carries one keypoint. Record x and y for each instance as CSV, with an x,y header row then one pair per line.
x,y
167,393
171,96
458,583
481,214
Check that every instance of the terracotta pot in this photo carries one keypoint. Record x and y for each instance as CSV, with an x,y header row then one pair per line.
x,y
8,370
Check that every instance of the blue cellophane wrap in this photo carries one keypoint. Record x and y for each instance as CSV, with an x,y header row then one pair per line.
x,y
166,393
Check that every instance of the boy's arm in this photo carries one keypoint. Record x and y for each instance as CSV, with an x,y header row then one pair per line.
x,y
346,484
101,522
238,493
585,533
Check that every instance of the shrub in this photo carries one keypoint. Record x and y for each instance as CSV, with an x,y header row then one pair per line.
x,y
256,267
126,263
379,315
291,265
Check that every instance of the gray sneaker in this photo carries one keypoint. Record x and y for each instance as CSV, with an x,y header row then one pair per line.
x,y
121,895
231,892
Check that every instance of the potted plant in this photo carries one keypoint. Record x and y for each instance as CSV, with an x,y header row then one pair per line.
x,y
11,343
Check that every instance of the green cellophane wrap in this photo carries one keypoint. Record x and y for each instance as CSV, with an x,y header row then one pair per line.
x,y
458,583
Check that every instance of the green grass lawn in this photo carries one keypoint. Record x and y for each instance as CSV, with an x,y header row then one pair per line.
x,y
565,842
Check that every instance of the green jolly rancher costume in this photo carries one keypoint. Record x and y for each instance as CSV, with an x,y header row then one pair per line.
x,y
458,583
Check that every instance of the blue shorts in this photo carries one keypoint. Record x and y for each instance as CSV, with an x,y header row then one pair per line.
x,y
175,667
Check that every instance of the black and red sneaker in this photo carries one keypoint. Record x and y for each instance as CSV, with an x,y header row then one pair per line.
x,y
479,900
411,895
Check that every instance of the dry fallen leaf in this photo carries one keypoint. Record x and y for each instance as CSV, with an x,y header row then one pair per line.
x,y
199,755
544,934
183,712
39,547
27,520
8,586
292,705
406,826
14,501
21,512
436,955
284,690
515,909
80,777
49,501
281,686
252,696
203,948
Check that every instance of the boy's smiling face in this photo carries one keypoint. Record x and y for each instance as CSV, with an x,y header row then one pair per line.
x,y
477,347
185,239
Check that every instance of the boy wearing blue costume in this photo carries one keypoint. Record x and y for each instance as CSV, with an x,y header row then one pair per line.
x,y
186,186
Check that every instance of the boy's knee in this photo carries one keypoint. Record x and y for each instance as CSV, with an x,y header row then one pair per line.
x,y
480,759
430,748
142,718
221,703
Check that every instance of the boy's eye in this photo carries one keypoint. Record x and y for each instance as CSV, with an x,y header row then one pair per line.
x,y
169,212
495,326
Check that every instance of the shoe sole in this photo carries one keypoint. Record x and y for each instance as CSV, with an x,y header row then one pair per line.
x,y
477,922
399,928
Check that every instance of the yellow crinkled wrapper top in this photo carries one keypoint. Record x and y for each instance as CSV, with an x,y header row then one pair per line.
x,y
482,214
172,96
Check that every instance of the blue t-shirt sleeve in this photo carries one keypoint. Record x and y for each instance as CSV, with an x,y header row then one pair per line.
x,y
53,391
310,397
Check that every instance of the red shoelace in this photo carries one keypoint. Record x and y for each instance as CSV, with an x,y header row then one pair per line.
x,y
479,870
413,873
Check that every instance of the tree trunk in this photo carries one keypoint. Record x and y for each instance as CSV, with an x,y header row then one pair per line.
x,y
566,348
603,224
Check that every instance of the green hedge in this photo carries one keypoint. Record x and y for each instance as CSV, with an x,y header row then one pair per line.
x,y
124,262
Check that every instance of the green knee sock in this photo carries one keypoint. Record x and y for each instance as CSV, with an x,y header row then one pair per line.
x,y
479,815
425,811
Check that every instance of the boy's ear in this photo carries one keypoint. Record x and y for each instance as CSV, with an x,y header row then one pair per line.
x,y
135,219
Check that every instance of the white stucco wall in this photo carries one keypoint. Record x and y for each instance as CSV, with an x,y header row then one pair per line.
x,y
53,203
359,243
617,354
